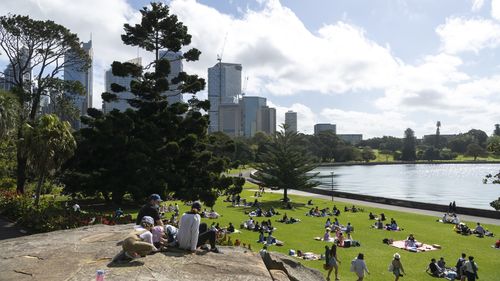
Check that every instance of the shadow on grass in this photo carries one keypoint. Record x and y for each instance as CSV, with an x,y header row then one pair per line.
x,y
278,205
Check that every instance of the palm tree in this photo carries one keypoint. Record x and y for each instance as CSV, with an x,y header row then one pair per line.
x,y
285,164
50,144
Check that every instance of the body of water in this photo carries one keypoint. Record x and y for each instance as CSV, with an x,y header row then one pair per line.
x,y
429,183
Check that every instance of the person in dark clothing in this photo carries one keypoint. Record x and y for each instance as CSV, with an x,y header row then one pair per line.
x,y
434,269
454,207
150,209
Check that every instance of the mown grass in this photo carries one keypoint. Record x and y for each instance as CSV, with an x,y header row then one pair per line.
x,y
299,236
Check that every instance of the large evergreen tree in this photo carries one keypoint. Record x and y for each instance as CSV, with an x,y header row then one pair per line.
x,y
408,152
37,52
285,164
158,147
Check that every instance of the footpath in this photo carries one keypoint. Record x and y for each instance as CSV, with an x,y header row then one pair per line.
x,y
387,207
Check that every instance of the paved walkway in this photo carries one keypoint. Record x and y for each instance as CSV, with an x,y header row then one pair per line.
x,y
387,207
9,230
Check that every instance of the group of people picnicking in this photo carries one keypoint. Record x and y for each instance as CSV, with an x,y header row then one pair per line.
x,y
464,269
317,212
151,235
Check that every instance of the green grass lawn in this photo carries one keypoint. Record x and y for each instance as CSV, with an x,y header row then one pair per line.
x,y
299,236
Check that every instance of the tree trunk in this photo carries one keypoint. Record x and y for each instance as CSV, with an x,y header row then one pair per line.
x,y
39,189
285,195
22,162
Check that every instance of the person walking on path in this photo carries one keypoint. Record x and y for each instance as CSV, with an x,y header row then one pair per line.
x,y
471,269
358,266
397,267
192,234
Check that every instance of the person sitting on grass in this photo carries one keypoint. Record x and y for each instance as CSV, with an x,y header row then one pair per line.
x,y
230,228
328,223
371,216
382,217
497,244
349,228
193,234
434,269
270,239
462,228
326,236
410,242
441,263
479,230
256,227
310,202
336,222
138,243
378,224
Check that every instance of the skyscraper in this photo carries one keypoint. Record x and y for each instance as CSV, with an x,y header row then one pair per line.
x,y
11,73
224,87
75,72
175,59
251,107
266,120
121,104
291,121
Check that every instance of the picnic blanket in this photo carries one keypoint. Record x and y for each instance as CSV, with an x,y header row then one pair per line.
x,y
422,247
308,256
332,239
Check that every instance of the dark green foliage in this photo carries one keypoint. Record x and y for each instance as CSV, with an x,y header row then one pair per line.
x,y
385,142
367,154
158,147
285,164
479,137
494,145
408,152
475,150
42,49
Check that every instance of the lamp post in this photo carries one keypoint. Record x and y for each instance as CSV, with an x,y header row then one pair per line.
x,y
332,184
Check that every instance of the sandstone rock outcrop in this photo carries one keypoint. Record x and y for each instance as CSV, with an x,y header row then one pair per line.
x,y
77,254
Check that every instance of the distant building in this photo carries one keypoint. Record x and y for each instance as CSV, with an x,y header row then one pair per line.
x,y
224,87
175,59
230,119
351,138
11,74
85,77
121,104
322,127
266,120
251,107
291,121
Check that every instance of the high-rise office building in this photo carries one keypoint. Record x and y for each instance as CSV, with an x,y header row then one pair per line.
x,y
230,119
266,120
121,104
224,87
175,58
12,76
250,107
74,72
322,127
291,121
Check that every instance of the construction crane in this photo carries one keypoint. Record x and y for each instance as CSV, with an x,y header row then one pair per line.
x,y
244,89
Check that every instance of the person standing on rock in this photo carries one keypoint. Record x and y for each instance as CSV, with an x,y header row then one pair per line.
x,y
193,234
151,209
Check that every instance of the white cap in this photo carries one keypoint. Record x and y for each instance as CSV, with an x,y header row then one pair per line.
x,y
148,219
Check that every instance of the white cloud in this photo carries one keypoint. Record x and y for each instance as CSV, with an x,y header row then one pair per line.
x,y
495,9
468,35
279,53
369,124
477,5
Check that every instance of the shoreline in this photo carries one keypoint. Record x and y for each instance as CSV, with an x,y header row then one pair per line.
x,y
335,164
436,214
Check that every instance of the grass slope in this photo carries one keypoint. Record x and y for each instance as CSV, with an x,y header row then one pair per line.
x,y
299,236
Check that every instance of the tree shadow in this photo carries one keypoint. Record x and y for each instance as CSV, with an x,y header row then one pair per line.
x,y
133,263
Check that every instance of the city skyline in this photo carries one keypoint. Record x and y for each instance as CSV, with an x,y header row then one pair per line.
x,y
374,69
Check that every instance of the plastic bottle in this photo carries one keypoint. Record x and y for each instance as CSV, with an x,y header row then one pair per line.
x,y
100,275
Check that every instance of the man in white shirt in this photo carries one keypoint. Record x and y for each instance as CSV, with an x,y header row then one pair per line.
x,y
189,236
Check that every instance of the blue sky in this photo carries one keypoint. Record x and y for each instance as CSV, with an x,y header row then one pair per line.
x,y
373,67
